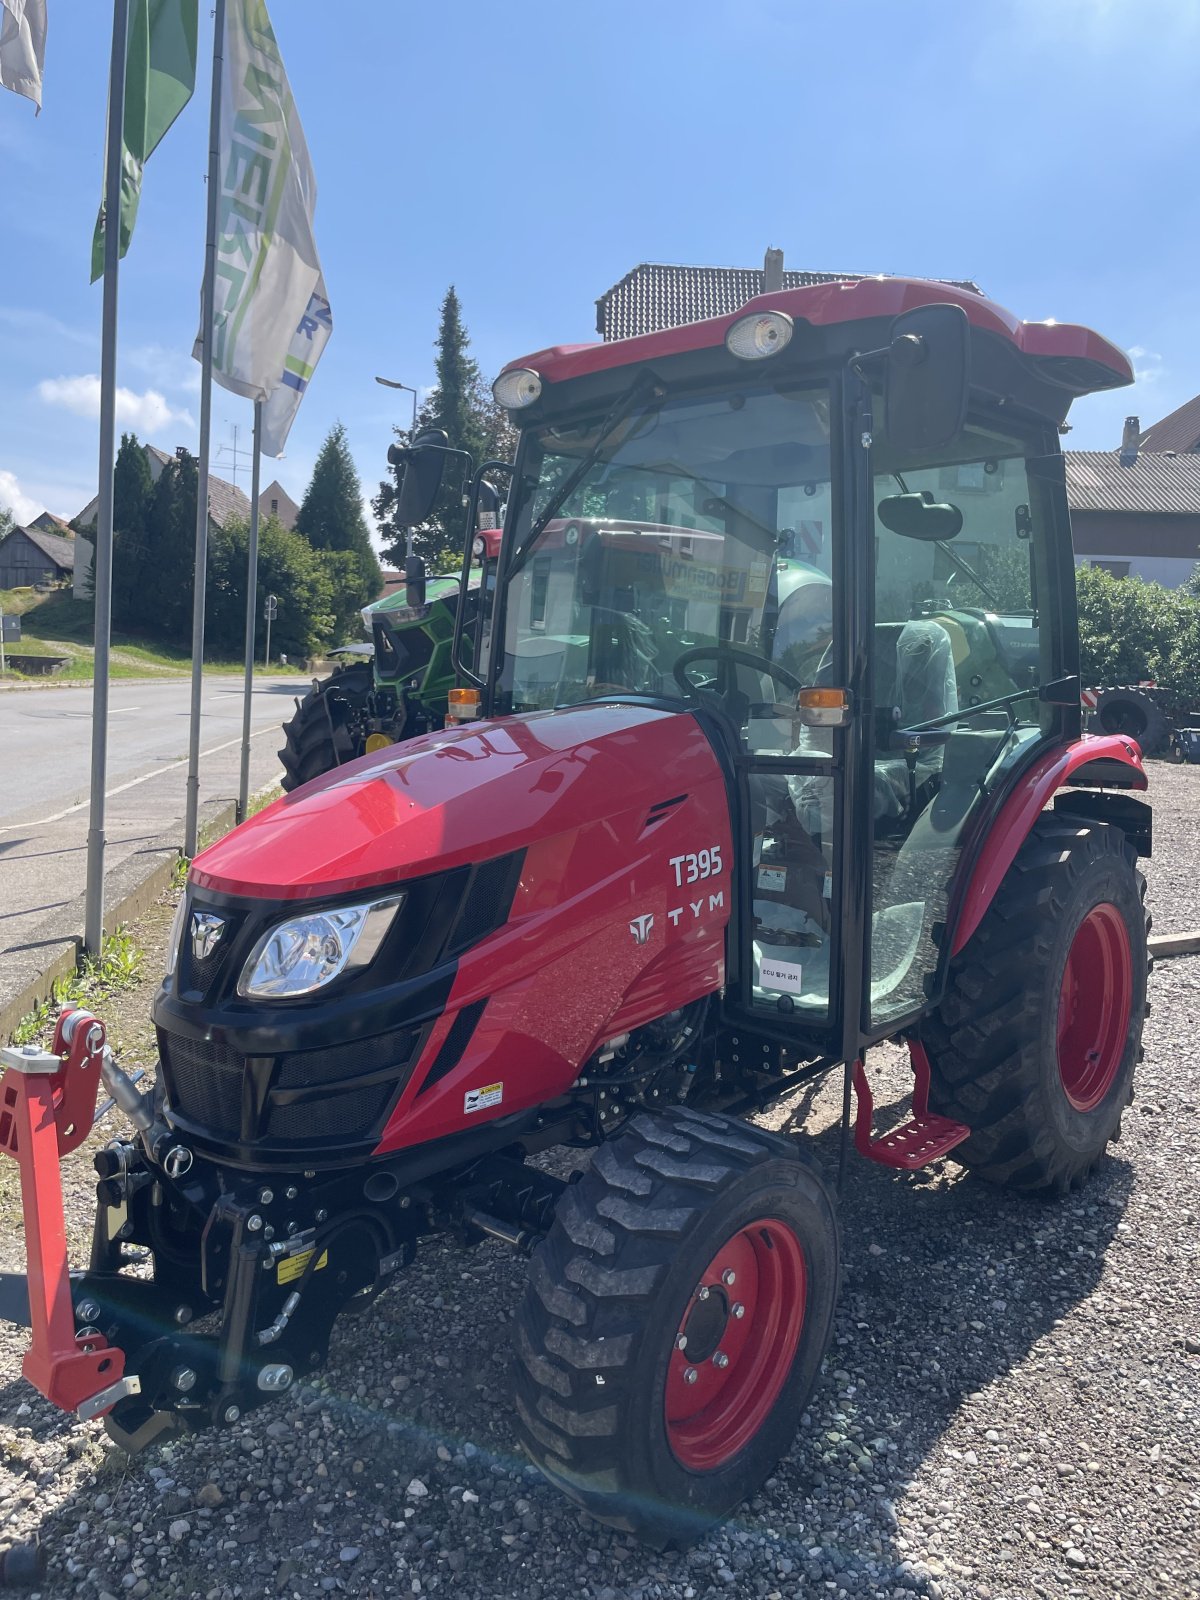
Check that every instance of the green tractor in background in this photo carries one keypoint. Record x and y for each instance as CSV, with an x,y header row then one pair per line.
x,y
397,686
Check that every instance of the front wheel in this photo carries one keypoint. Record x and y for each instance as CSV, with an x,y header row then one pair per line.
x,y
675,1321
322,734
1035,1044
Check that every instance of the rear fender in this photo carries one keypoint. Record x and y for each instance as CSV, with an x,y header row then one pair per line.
x,y
1112,762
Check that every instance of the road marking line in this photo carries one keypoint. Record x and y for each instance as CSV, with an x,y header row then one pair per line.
x,y
12,827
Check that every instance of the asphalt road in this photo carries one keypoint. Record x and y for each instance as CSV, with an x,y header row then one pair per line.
x,y
45,757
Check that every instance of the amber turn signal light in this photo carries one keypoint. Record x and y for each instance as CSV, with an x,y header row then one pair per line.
x,y
824,708
464,705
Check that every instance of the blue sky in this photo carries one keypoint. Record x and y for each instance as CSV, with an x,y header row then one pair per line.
x,y
532,153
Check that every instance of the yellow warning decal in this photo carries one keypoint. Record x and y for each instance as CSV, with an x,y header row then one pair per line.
x,y
291,1267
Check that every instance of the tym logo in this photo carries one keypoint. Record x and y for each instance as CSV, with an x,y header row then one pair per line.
x,y
640,927
716,902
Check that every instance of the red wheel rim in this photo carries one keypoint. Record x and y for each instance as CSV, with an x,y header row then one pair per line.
x,y
735,1344
1093,1007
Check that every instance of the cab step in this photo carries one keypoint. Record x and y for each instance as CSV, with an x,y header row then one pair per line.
x,y
915,1143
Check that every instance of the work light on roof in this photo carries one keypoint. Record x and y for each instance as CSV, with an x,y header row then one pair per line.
x,y
761,334
516,389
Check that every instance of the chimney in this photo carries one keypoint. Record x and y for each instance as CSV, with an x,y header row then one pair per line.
x,y
1129,441
773,272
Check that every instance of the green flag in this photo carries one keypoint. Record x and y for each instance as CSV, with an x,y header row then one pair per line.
x,y
160,74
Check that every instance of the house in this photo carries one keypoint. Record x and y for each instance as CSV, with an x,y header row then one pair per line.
x,y
1178,431
226,503
275,501
29,557
654,295
47,522
1136,513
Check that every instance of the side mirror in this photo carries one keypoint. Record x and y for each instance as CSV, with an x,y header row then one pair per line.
x,y
419,469
928,377
414,582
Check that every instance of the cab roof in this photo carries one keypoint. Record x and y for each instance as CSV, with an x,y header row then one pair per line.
x,y
1065,354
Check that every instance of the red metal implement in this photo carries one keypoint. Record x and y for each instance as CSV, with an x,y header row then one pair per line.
x,y
47,1106
916,1143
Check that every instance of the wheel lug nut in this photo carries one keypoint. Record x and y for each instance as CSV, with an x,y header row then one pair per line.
x,y
729,1277
703,1292
681,1341
690,1375
739,1310
720,1359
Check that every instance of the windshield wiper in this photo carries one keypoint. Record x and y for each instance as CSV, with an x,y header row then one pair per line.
x,y
645,381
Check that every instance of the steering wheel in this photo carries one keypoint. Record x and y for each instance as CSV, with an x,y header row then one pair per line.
x,y
732,654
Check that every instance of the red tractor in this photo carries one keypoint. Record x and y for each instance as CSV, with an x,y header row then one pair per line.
x,y
774,754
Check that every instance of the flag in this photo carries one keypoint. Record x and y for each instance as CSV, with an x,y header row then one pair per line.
x,y
160,74
23,47
267,268
308,343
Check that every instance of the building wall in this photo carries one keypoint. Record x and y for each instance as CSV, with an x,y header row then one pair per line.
x,y
1160,548
22,564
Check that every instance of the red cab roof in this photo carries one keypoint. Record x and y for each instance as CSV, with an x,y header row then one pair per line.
x,y
848,300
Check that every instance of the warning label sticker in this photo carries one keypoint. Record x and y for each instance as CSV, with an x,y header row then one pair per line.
x,y
480,1099
291,1267
786,976
772,880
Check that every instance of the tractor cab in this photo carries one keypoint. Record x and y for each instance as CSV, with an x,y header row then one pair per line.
x,y
834,529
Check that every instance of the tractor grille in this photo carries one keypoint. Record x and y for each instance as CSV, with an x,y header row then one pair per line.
x,y
346,1089
205,1083
488,901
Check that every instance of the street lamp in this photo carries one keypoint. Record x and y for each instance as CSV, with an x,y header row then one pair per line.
x,y
390,383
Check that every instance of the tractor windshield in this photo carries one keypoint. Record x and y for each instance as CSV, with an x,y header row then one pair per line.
x,y
702,522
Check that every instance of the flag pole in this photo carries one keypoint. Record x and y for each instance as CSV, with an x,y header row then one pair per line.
x,y
251,608
93,918
207,295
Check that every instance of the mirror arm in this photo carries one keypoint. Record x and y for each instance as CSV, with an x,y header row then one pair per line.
x,y
460,669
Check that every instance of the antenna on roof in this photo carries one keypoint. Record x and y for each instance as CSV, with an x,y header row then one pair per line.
x,y
772,271
1130,438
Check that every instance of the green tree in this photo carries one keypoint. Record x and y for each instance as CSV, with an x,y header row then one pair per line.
x,y
7,521
331,519
462,405
289,568
133,494
165,597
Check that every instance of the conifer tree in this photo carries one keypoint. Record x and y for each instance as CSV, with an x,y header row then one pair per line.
x,y
331,518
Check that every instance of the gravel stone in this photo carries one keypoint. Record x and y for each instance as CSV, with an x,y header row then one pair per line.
x,y
984,1344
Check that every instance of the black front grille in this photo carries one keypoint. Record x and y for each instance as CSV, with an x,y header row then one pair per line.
x,y
204,1083
295,1098
488,901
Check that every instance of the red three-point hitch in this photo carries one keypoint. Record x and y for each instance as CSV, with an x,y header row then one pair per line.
x,y
47,1108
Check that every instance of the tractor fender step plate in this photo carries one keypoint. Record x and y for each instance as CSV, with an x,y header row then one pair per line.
x,y
925,1137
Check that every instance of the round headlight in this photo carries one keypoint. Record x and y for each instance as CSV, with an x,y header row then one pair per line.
x,y
517,388
478,547
761,334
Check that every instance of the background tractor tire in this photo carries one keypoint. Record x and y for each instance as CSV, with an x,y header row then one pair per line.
x,y
686,1227
311,744
1035,1043
1134,712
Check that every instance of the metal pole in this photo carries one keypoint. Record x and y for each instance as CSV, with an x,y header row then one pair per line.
x,y
191,823
251,613
93,917
267,656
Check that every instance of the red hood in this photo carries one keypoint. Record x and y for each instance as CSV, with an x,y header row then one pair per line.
x,y
453,798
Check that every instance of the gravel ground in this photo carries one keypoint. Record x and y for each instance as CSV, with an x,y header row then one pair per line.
x,y
1011,1407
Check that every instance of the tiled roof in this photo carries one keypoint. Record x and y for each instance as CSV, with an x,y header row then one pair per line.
x,y
226,502
1180,430
655,295
1156,482
49,523
60,551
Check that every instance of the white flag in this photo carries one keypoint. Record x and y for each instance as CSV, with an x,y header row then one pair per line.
x,y
267,265
308,341
23,47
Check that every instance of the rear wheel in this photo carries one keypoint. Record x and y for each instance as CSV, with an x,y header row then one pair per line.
x,y
321,736
675,1321
1036,1041
1134,712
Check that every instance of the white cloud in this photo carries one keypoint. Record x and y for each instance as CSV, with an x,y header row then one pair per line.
x,y
23,507
148,412
169,369
1148,365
